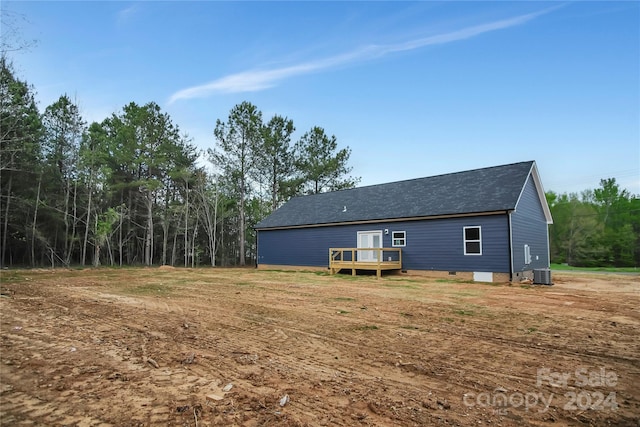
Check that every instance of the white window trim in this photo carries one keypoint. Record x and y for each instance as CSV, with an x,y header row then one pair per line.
x,y
393,239
465,241
527,254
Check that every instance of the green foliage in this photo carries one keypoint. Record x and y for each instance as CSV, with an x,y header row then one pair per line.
x,y
576,231
259,169
596,228
145,145
146,157
104,224
20,163
566,267
275,162
63,198
64,129
20,120
239,139
321,165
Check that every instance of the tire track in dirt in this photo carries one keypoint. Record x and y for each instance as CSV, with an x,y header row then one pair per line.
x,y
278,336
322,351
35,341
266,341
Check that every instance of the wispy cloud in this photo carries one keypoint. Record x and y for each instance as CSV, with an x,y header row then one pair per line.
x,y
126,14
260,79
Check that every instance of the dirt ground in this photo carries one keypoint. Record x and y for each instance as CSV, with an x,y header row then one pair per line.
x,y
205,347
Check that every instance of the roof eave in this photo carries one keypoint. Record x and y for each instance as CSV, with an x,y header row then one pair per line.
x,y
372,221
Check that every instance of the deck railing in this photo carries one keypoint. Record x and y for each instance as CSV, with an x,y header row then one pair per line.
x,y
377,259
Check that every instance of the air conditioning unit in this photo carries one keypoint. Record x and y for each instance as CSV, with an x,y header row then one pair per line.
x,y
542,276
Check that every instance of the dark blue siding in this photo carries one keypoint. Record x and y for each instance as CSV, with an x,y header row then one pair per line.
x,y
529,227
302,246
431,244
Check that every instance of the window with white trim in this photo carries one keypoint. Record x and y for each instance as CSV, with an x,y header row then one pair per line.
x,y
527,254
472,240
398,239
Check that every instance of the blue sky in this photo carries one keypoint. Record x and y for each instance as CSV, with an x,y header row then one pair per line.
x,y
413,88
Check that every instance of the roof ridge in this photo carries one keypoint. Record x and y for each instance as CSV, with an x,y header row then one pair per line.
x,y
415,179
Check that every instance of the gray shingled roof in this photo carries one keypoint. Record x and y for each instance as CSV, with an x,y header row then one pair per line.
x,y
481,190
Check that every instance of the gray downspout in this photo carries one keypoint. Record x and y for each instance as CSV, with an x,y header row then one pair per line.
x,y
548,250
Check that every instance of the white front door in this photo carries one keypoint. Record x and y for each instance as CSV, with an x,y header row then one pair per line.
x,y
369,239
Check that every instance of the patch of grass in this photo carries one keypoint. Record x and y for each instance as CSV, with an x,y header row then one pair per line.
x,y
345,276
564,267
12,277
490,283
245,284
294,271
118,267
405,280
530,330
454,281
367,328
409,327
157,289
467,294
343,312
398,286
282,271
448,319
464,312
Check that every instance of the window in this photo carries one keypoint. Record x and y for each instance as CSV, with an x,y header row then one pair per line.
x,y
472,241
398,238
527,254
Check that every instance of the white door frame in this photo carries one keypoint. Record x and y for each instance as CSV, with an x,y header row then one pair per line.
x,y
365,239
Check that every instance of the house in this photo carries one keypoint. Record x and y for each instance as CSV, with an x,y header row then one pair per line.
x,y
487,224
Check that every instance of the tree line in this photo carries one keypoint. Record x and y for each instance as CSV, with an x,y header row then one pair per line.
x,y
133,189
599,227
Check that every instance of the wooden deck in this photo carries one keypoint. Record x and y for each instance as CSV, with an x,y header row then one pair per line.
x,y
376,259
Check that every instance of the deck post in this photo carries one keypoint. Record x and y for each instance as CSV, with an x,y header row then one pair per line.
x,y
330,261
353,262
